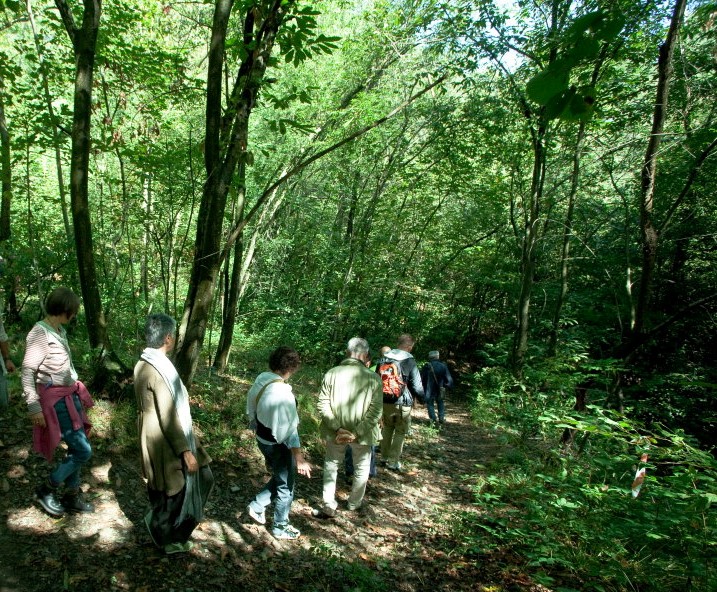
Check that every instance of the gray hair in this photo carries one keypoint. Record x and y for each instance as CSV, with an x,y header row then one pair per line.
x,y
158,326
357,346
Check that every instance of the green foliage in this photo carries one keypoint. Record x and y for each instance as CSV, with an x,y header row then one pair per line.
x,y
570,512
338,573
298,40
581,44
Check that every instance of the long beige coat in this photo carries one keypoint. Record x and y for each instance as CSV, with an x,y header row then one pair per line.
x,y
161,438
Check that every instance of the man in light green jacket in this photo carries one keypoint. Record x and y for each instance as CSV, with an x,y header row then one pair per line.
x,y
350,406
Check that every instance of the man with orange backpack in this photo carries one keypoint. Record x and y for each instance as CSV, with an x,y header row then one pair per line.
x,y
401,382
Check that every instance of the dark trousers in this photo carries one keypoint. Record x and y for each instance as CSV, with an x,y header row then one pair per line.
x,y
165,509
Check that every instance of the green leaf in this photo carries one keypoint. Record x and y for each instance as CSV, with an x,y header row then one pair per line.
x,y
609,29
556,105
582,25
587,49
546,85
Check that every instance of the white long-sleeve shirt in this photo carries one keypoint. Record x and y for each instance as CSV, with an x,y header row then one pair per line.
x,y
276,410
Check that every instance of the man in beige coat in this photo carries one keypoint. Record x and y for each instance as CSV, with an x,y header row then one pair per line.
x,y
173,461
350,406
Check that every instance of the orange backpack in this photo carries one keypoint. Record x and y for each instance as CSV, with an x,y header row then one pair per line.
x,y
391,378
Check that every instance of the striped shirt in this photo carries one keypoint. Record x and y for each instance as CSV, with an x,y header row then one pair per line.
x,y
47,361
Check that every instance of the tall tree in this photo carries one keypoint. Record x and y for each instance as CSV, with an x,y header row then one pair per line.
x,y
5,168
56,140
648,229
225,144
84,43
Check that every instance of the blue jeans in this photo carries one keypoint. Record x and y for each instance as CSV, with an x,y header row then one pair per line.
x,y
441,408
280,488
79,450
349,462
4,397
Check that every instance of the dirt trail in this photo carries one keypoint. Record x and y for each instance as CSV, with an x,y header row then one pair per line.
x,y
403,543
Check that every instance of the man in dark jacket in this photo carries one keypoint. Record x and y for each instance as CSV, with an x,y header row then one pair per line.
x,y
436,377
397,411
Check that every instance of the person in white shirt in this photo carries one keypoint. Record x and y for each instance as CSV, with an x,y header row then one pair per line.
x,y
271,409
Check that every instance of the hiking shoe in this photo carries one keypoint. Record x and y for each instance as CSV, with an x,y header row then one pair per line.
x,y
47,497
286,532
364,511
323,513
394,466
258,517
173,548
73,502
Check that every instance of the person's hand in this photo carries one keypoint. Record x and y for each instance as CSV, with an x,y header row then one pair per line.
x,y
9,365
343,436
38,419
190,461
302,466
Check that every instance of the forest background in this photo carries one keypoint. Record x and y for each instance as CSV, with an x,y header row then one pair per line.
x,y
527,187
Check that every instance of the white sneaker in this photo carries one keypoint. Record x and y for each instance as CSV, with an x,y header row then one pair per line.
x,y
394,466
287,533
259,518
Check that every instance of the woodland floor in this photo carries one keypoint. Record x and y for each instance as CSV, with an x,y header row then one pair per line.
x,y
405,543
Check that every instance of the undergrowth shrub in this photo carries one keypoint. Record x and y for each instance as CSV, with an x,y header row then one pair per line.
x,y
570,513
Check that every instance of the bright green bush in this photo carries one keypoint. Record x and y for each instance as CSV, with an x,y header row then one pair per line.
x,y
570,512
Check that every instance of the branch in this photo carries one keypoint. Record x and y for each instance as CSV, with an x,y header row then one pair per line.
x,y
237,230
627,349
67,19
688,185
460,250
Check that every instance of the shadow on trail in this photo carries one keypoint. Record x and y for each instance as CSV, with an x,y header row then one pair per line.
x,y
405,542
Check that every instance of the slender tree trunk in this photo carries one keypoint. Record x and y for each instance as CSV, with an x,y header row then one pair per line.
x,y
648,228
567,235
226,141
5,170
527,262
531,232
231,280
84,42
230,309
31,229
146,234
56,142
5,228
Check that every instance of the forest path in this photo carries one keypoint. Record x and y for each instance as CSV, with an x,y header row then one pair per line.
x,y
403,543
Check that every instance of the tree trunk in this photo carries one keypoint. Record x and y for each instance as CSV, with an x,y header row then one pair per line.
x,y
56,143
232,280
146,234
527,262
5,170
230,309
648,228
225,144
567,234
84,42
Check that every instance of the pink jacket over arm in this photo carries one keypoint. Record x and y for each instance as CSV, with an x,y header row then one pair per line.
x,y
46,439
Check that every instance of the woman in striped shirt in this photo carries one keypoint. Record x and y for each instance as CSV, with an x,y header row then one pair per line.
x,y
56,403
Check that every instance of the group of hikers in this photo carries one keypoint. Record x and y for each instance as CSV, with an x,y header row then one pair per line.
x,y
359,407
